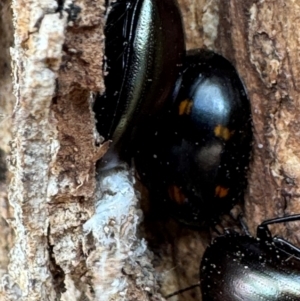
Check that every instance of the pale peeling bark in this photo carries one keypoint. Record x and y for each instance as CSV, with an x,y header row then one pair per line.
x,y
7,101
75,239
38,43
79,231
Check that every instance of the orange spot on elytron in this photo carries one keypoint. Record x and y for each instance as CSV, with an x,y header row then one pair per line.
x,y
185,107
221,192
222,132
176,194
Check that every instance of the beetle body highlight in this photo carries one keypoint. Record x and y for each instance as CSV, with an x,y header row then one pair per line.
x,y
195,157
144,51
239,267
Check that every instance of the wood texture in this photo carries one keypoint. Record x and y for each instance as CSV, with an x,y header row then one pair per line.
x,y
263,44
7,101
64,238
76,232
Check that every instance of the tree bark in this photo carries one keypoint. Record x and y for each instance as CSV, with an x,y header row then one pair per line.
x,y
7,102
78,234
262,43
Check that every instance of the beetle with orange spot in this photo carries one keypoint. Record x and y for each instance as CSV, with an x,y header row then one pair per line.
x,y
194,157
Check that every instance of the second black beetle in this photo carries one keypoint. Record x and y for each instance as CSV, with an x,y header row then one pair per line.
x,y
243,268
194,159
144,51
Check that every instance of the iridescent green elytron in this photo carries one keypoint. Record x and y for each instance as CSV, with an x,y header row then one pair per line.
x,y
144,53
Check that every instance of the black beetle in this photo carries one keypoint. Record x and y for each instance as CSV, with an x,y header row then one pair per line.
x,y
239,267
194,159
144,51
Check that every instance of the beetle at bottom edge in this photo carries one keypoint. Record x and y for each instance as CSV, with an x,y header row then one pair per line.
x,y
239,267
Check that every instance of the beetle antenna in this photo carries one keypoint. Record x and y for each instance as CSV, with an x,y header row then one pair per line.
x,y
284,219
264,234
287,247
243,224
182,290
263,231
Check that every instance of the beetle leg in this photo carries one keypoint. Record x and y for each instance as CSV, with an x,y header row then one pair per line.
x,y
286,247
263,232
284,219
243,224
182,290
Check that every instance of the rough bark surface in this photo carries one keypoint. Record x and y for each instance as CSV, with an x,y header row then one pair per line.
x,y
7,102
263,44
78,234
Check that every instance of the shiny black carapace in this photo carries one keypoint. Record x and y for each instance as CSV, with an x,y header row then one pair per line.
x,y
239,267
195,157
144,50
